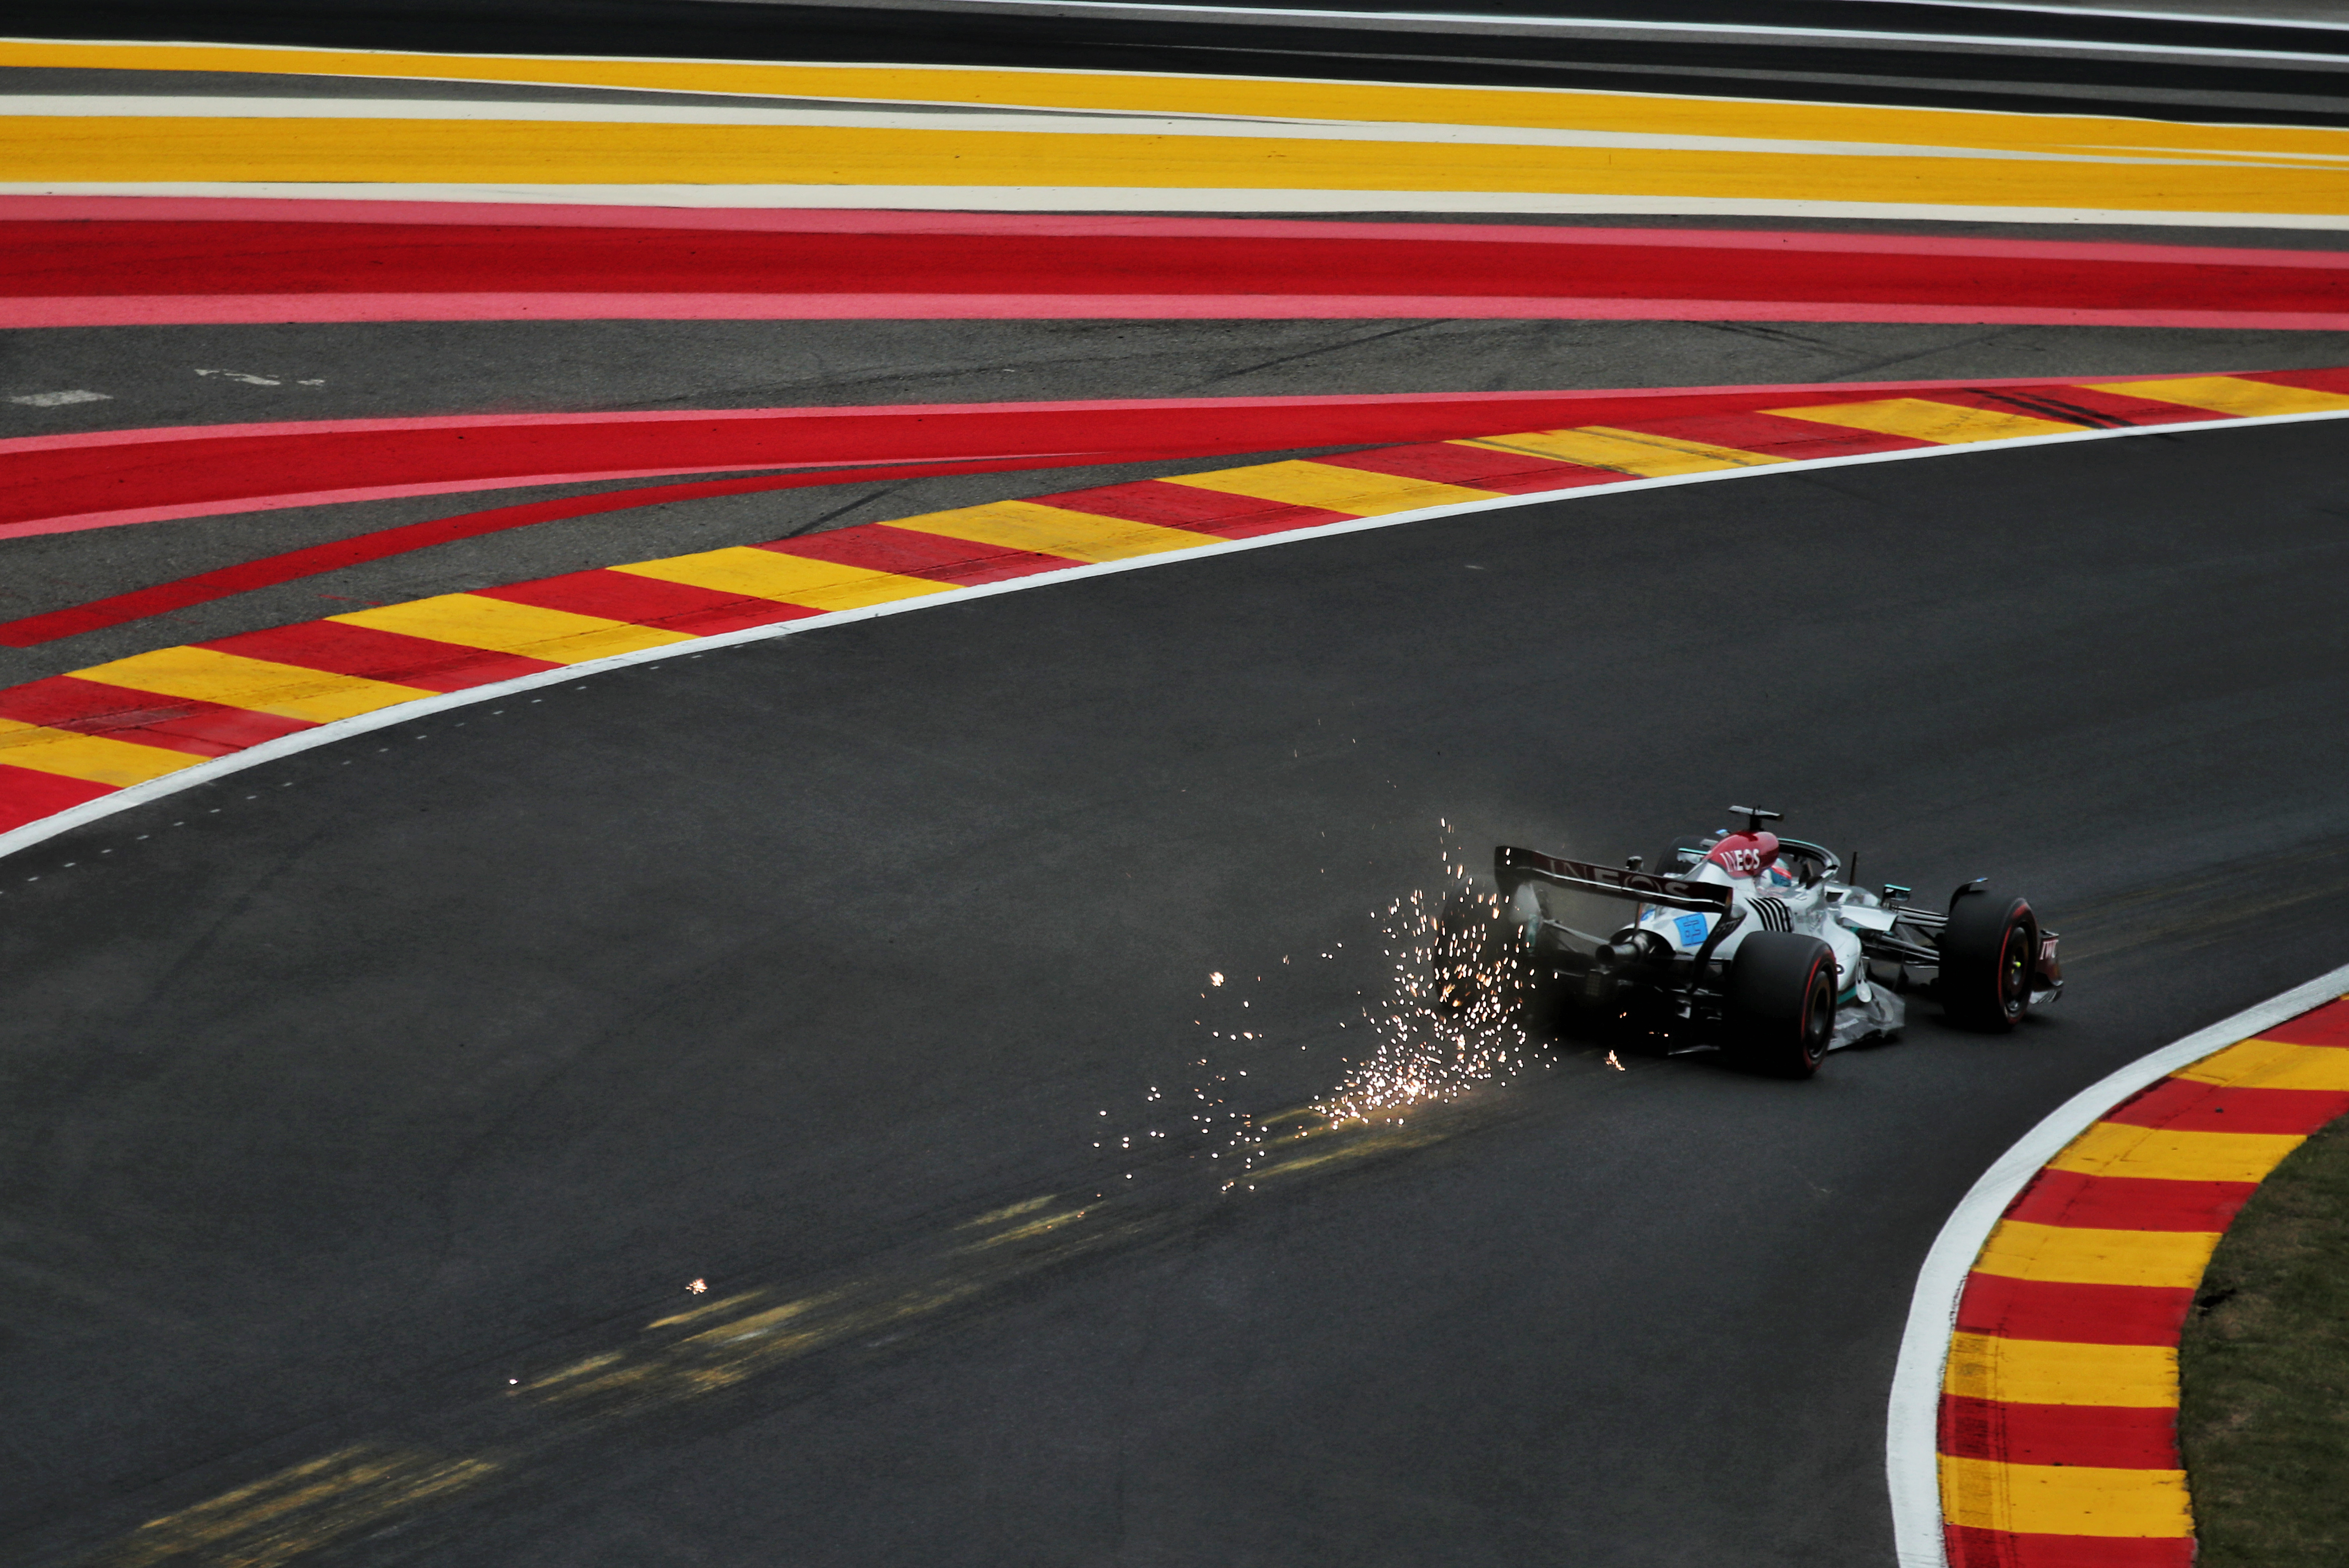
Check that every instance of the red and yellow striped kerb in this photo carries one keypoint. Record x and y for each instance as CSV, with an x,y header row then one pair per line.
x,y
2059,1399
72,739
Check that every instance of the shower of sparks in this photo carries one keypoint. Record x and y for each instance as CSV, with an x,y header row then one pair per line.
x,y
1444,1024
1449,1024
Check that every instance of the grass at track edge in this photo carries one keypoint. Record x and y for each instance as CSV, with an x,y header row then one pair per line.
x,y
2264,1364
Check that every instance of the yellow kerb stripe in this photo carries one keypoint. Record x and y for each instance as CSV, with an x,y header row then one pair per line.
x,y
1333,489
2273,1064
1626,452
1920,418
2109,1149
786,579
1049,530
2229,395
2043,1372
288,690
2064,1500
471,620
1247,97
94,758
2080,1255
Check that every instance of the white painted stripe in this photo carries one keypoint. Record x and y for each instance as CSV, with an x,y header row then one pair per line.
x,y
1725,28
49,827
1912,1435
1161,199
956,122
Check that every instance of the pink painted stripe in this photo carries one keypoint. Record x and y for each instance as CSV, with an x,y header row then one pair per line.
x,y
188,309
146,435
784,220
835,472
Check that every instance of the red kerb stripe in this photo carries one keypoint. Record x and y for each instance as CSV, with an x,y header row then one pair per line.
x,y
1971,1548
176,723
2328,1026
647,601
2128,1202
1187,506
1475,467
910,553
403,660
2211,1107
27,794
1775,436
2113,1436
2080,1315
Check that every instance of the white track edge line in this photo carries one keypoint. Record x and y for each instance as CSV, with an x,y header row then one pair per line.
x,y
105,806
1912,1420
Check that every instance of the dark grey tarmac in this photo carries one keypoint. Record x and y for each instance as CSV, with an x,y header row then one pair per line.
x,y
338,1093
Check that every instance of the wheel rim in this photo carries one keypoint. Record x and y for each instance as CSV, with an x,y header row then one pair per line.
x,y
1819,1021
2014,971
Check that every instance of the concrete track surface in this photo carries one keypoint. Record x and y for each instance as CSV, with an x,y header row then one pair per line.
x,y
364,1108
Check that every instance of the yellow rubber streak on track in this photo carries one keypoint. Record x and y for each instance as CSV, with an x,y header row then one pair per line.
x,y
2078,1255
2273,1065
2041,1371
2109,1149
2064,1500
298,1511
1270,98
37,148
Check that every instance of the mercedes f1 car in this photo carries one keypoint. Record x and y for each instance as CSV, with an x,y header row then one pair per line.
x,y
1762,946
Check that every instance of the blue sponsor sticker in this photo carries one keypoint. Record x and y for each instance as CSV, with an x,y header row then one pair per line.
x,y
1691,930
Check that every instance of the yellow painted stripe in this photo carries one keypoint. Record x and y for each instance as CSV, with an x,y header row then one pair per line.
x,y
2045,1372
1051,531
2229,395
1246,97
94,758
2064,1500
471,620
2084,1256
786,579
1626,452
196,148
1920,418
2273,1064
1333,489
288,690
2110,1149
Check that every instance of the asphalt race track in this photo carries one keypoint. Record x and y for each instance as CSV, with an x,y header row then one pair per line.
x,y
355,1085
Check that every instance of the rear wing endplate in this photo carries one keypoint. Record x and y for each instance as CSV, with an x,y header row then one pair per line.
x,y
1512,867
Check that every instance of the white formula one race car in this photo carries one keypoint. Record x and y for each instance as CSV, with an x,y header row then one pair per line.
x,y
1759,945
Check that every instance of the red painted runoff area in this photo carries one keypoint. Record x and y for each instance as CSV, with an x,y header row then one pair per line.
x,y
102,270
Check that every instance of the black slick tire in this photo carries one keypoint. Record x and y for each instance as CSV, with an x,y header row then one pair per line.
x,y
1988,951
1781,1002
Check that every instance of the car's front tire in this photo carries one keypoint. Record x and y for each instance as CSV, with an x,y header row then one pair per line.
x,y
1987,951
1781,1002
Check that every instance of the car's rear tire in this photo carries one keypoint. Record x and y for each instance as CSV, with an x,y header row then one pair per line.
x,y
1781,1002
1988,950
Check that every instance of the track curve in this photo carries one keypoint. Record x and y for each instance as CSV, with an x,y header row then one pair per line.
x,y
446,1056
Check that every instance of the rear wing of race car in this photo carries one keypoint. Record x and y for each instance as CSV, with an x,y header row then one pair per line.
x,y
1514,867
